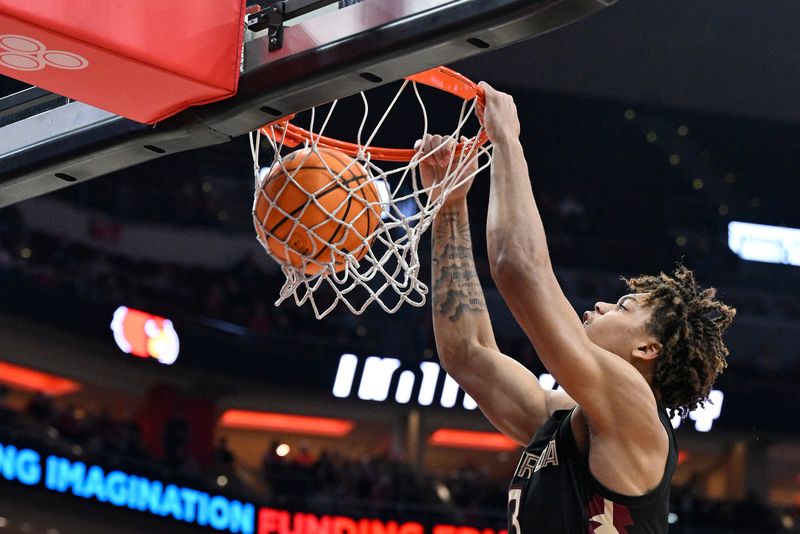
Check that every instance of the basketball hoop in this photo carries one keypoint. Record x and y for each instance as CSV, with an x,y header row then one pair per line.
x,y
386,266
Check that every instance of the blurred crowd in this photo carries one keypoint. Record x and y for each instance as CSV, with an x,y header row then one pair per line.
x,y
379,485
327,483
243,293
374,485
80,429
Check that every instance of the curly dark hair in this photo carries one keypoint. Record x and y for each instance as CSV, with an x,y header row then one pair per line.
x,y
689,322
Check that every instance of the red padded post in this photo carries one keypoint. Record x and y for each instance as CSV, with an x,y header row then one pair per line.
x,y
143,60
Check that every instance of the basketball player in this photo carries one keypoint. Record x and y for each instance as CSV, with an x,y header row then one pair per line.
x,y
599,454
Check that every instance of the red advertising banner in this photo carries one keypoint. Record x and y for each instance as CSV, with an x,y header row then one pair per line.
x,y
272,521
142,60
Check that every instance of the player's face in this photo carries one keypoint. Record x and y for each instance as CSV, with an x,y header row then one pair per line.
x,y
619,327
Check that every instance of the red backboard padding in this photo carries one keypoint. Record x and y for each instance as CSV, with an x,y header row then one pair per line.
x,y
142,59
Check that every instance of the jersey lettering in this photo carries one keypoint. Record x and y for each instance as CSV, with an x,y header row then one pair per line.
x,y
514,498
553,490
526,465
530,463
549,456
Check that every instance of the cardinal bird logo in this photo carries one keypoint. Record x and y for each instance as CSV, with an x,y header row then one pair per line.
x,y
145,335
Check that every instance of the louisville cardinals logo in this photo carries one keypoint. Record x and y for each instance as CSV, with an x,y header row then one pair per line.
x,y
145,335
19,52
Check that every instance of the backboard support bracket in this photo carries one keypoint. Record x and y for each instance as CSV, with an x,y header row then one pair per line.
x,y
273,16
271,19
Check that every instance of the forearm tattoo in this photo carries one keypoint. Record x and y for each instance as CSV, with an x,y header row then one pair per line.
x,y
456,288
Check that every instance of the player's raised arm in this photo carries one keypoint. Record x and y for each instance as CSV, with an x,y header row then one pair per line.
x,y
507,393
606,386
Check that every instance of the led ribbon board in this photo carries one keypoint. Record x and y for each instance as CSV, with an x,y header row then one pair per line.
x,y
274,521
123,490
378,378
760,242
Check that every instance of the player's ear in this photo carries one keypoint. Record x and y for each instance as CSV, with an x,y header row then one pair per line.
x,y
647,350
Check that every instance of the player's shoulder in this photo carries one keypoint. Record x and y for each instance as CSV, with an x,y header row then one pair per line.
x,y
641,443
558,399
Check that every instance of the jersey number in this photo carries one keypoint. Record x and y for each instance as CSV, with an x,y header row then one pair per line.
x,y
514,498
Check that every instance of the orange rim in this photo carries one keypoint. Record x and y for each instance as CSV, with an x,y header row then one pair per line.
x,y
443,78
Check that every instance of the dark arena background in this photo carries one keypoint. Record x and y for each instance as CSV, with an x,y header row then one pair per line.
x,y
148,384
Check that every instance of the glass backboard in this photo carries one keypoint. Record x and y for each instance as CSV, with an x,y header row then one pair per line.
x,y
308,53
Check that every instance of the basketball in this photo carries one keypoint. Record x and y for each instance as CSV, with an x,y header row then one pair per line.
x,y
314,207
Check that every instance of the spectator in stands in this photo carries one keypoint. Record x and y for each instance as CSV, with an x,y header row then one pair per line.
x,y
303,458
271,460
260,321
572,212
224,459
40,408
176,439
6,412
67,423
130,438
5,254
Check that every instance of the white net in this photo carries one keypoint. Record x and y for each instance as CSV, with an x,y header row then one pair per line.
x,y
344,229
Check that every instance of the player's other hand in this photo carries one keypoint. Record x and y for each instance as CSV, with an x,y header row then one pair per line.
x,y
499,115
440,160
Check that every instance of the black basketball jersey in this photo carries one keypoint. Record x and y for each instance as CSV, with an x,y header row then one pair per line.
x,y
553,491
